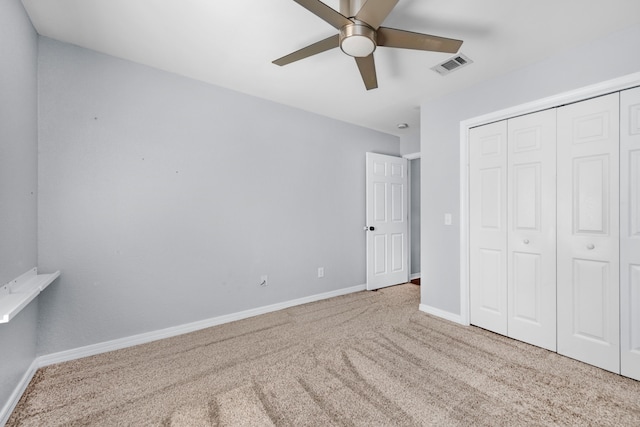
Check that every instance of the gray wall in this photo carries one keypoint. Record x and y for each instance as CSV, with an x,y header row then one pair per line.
x,y
600,60
163,200
410,141
18,179
415,216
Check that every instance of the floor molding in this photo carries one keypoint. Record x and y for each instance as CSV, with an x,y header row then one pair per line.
x,y
90,350
442,314
103,347
8,408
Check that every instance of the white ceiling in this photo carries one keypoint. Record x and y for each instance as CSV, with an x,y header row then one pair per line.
x,y
232,43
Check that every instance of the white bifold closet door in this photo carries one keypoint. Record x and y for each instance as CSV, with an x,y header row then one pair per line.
x,y
531,235
588,232
488,226
630,233
512,228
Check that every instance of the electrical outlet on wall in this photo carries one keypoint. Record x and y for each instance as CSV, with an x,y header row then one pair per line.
x,y
320,271
263,280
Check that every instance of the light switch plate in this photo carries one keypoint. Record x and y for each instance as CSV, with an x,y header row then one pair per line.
x,y
447,219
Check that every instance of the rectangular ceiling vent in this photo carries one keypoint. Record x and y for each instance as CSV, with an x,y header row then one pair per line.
x,y
452,64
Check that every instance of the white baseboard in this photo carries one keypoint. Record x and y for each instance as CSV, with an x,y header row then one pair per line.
x,y
414,276
103,347
443,314
8,408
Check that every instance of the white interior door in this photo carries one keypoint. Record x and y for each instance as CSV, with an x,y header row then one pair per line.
x,y
488,226
387,221
588,232
630,233
531,232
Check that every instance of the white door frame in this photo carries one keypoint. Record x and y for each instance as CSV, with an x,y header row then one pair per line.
x,y
409,157
603,88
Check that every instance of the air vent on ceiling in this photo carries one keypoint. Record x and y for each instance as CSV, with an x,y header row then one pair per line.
x,y
458,61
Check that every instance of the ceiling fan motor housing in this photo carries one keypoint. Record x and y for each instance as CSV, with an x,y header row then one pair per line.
x,y
358,39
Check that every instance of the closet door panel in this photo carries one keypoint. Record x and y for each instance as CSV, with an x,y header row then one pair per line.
x,y
630,233
531,232
488,226
588,232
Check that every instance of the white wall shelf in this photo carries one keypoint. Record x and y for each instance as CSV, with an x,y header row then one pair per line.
x,y
15,295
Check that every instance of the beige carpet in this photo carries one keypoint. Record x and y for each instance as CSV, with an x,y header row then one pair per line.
x,y
365,359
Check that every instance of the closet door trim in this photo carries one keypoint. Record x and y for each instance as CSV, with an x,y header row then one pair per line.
x,y
603,88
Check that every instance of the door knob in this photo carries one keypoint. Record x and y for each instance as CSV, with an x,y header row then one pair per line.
x,y
525,241
591,246
372,228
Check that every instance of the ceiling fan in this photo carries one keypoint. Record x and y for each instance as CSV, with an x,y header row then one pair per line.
x,y
360,34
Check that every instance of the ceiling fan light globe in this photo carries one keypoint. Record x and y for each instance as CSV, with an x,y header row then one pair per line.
x,y
358,46
358,39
